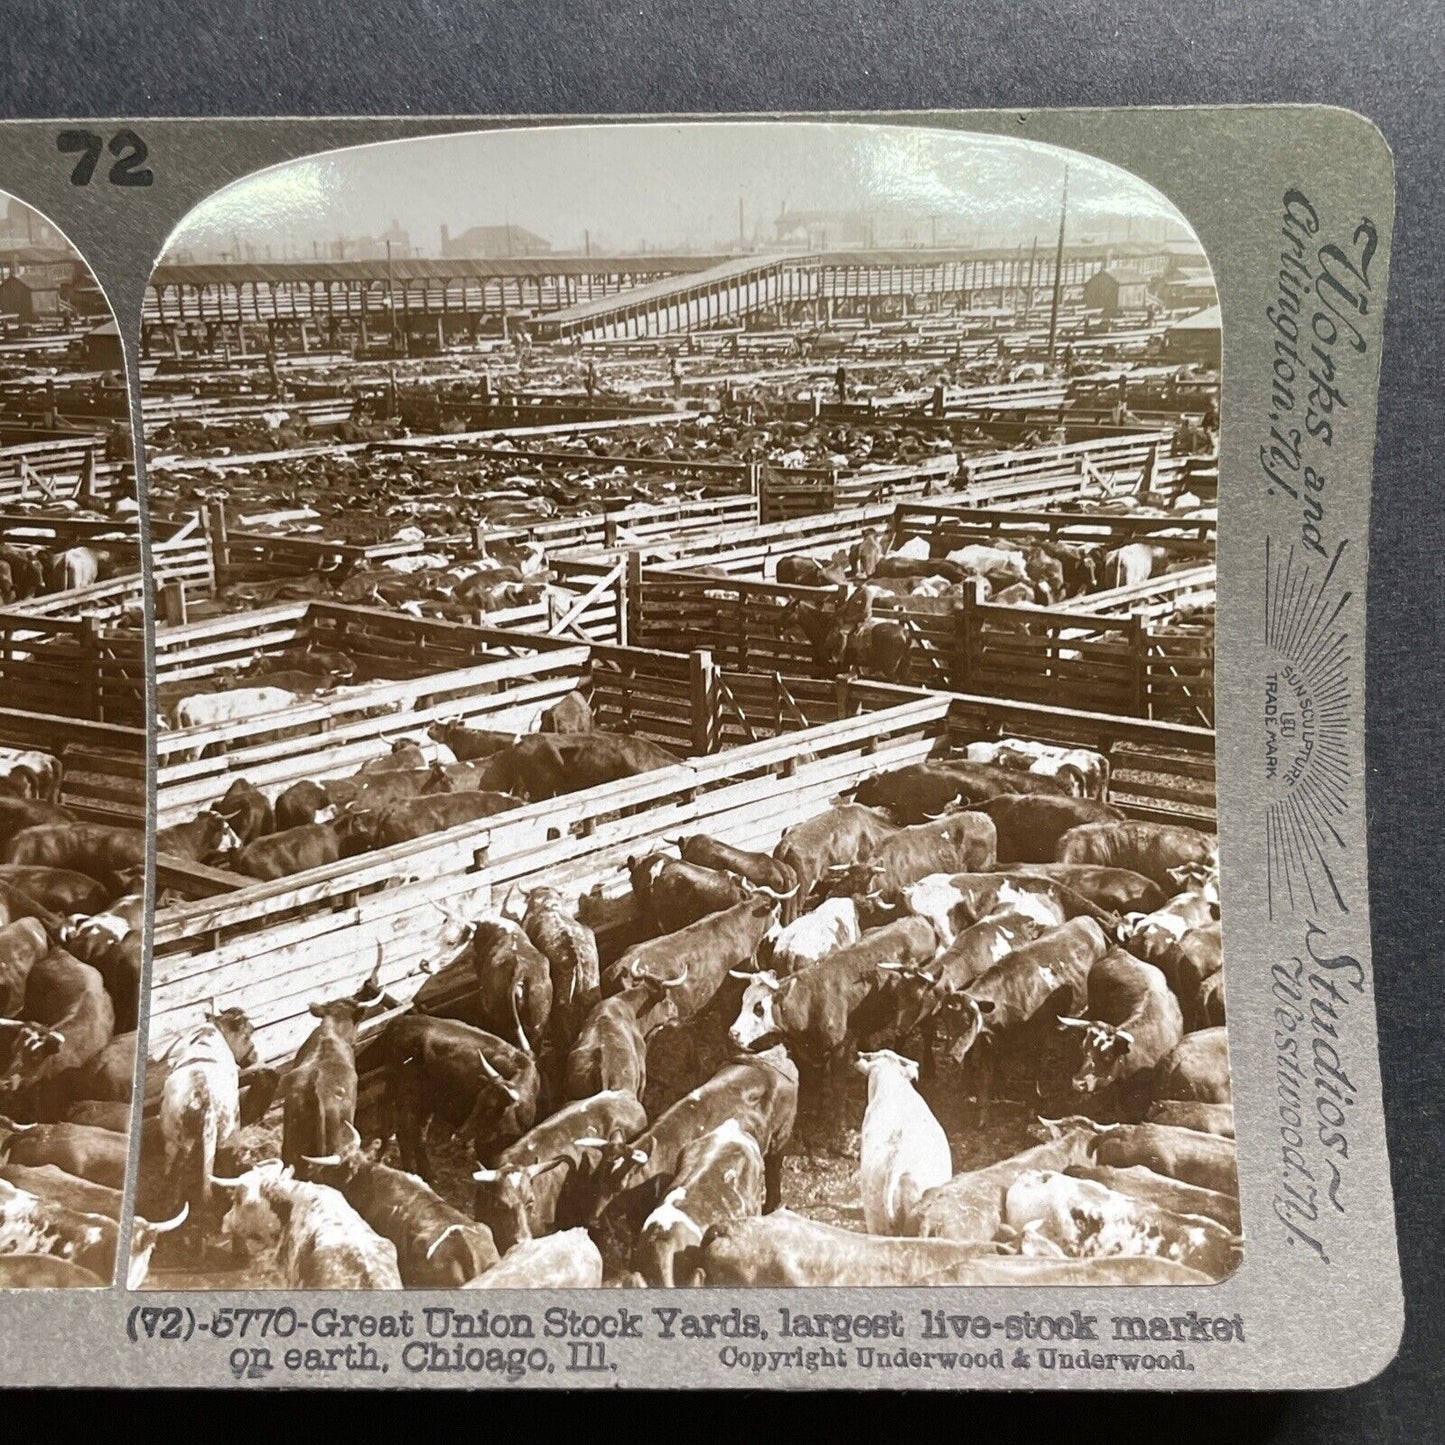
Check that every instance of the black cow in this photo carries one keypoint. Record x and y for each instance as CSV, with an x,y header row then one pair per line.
x,y
247,810
293,850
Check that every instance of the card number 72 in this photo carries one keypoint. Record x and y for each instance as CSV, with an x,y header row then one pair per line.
x,y
129,150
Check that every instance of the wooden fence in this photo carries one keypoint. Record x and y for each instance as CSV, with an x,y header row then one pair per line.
x,y
104,767
1122,664
767,751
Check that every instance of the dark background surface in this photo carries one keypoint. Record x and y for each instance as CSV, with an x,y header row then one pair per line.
x,y
187,57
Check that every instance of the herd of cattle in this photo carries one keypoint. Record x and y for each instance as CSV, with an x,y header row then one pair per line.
x,y
71,899
39,569
546,1109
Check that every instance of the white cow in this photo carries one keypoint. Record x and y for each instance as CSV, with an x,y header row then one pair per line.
x,y
980,560
207,708
832,925
321,1241
904,1150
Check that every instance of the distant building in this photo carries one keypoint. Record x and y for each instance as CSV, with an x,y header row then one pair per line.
x,y
1195,340
31,298
42,263
1114,289
488,242
102,348
27,227
1186,288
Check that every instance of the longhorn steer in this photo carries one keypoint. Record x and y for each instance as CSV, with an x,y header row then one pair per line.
x,y
321,1241
318,1089
1132,1022
546,1180
437,1246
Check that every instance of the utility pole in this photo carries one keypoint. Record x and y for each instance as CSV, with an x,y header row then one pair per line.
x,y
1058,270
391,297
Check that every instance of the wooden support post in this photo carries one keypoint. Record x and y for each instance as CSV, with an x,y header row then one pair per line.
x,y
87,476
705,702
632,599
215,516
1137,643
173,603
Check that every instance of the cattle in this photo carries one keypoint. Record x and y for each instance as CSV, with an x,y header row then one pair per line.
x,y
318,1089
963,843
760,869
76,567
248,811
1159,1189
32,1225
1190,963
1206,1118
1029,825
514,982
15,903
547,765
570,948
903,1149
401,822
1196,1070
60,889
103,1113
46,1271
610,1052
291,851
1153,849
757,1091
68,1017
694,962
1132,1022
49,1181
32,773
1207,1160
544,1181
200,1103
1085,774
831,926
368,794
468,743
437,1246
404,756
568,1260
206,834
673,894
79,1149
1116,890
22,945
321,1242
955,902
22,813
919,792
209,709
570,715
437,1068
1050,971
97,849
1055,1214
1168,924
27,570
1133,563
1208,1008
819,1011
109,1076
846,833
976,949
145,1235
719,1177
783,1250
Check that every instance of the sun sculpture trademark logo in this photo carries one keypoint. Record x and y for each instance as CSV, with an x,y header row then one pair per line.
x,y
1306,730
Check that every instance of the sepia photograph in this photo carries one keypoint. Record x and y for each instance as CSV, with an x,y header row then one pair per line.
x,y
72,768
684,716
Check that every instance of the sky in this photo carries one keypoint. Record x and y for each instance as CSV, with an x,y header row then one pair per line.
x,y
661,186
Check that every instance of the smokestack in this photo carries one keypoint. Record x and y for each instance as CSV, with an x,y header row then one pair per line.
x,y
446,239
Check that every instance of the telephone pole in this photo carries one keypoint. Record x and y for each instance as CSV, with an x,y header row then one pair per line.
x,y
1058,271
